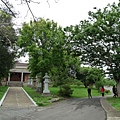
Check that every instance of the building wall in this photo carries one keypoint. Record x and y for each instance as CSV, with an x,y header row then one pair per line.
x,y
25,78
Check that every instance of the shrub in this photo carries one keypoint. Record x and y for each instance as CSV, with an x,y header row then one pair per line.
x,y
107,91
77,82
65,91
54,85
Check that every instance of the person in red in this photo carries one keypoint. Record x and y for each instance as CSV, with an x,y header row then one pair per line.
x,y
102,91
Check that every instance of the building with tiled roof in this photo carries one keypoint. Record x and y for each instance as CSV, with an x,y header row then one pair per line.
x,y
18,75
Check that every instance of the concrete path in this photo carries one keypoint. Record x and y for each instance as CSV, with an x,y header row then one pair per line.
x,y
69,109
17,98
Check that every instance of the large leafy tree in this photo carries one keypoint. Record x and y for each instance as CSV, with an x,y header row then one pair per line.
x,y
99,40
7,44
38,39
45,43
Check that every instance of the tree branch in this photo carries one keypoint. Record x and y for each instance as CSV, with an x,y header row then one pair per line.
x,y
8,8
30,10
56,1
27,2
48,3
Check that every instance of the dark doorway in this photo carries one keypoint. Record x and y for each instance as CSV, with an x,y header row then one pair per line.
x,y
15,76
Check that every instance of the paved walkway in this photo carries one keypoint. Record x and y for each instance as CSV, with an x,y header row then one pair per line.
x,y
17,98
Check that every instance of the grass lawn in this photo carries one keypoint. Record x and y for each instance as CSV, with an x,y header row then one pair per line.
x,y
37,97
115,102
79,92
2,91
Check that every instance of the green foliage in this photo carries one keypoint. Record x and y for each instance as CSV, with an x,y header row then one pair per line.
x,y
98,84
7,44
104,82
41,40
96,40
3,89
107,91
38,39
37,97
48,50
90,75
6,61
65,91
54,85
109,82
77,82
115,102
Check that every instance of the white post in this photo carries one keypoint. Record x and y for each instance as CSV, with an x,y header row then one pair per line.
x,y
8,79
22,77
46,91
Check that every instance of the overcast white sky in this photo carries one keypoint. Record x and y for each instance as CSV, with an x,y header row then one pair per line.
x,y
65,12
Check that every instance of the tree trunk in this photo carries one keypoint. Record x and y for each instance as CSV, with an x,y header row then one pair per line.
x,y
118,88
85,85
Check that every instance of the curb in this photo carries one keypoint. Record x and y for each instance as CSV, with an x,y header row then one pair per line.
x,y
4,96
101,101
109,110
113,118
29,97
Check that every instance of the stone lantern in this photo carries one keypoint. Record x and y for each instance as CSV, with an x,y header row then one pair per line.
x,y
46,81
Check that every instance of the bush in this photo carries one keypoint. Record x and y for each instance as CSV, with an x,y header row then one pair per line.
x,y
65,91
107,91
77,82
54,85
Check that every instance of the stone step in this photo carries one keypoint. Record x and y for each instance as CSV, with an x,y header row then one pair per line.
x,y
15,84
